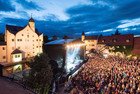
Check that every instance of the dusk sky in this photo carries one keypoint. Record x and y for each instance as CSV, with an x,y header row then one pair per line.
x,y
72,17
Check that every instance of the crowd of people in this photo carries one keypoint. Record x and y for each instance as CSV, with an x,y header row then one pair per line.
x,y
112,75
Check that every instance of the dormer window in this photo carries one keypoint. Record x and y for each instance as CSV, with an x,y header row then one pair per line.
x,y
114,40
103,40
128,40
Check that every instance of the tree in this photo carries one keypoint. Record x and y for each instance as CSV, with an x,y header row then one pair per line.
x,y
117,32
40,75
100,35
1,37
65,37
45,38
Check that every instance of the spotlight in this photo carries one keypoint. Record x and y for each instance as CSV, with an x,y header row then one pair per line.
x,y
68,46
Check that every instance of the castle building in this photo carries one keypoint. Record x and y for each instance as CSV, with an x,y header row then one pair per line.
x,y
21,43
116,45
90,41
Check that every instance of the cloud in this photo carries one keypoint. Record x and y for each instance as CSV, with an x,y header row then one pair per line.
x,y
129,23
5,5
98,17
107,30
29,5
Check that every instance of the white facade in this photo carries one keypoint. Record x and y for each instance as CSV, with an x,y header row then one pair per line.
x,y
3,53
26,39
91,44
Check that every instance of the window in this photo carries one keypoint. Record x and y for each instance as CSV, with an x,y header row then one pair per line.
x,y
118,47
18,47
33,40
4,57
40,46
33,52
28,54
36,46
22,35
88,40
36,39
33,48
103,40
92,40
27,36
12,48
124,47
128,40
3,48
114,40
33,35
33,44
15,56
20,39
12,39
18,55
39,39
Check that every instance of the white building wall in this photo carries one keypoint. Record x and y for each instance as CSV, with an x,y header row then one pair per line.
x,y
91,44
2,53
10,45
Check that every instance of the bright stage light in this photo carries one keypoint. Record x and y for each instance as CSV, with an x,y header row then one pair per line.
x,y
72,57
68,46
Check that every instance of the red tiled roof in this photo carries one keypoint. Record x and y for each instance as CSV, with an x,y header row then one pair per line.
x,y
91,37
116,40
136,48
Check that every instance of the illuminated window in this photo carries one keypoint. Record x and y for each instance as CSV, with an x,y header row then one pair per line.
x,y
3,48
20,39
36,46
33,44
12,39
40,46
36,39
22,35
33,40
114,40
33,52
124,47
103,40
128,40
33,35
12,48
39,39
33,48
4,57
18,47
27,36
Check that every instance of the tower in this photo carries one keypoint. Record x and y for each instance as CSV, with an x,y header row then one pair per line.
x,y
32,24
83,36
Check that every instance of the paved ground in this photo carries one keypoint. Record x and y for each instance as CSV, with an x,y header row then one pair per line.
x,y
8,87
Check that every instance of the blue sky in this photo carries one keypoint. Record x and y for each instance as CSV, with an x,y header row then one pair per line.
x,y
72,17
